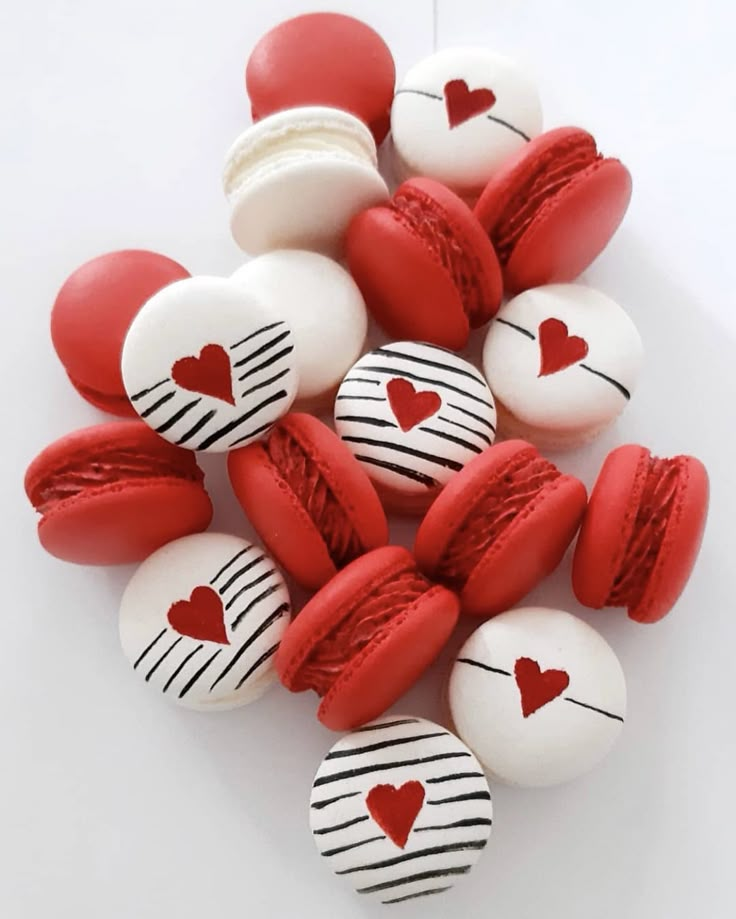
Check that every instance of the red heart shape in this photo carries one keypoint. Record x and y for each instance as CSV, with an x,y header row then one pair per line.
x,y
209,374
557,348
201,616
410,407
538,687
395,810
462,104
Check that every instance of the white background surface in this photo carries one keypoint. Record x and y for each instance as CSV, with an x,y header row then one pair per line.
x,y
114,118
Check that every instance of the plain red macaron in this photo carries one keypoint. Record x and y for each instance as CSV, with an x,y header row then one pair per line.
x,y
501,525
553,208
323,59
366,637
424,265
642,532
308,498
114,493
91,316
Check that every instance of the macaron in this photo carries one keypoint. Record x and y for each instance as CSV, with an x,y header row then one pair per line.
x,y
553,207
413,415
563,362
295,180
207,366
308,498
366,637
424,265
113,493
324,309
201,619
642,532
500,526
92,313
323,59
538,695
400,809
459,114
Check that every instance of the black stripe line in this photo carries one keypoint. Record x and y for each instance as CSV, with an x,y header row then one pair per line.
x,y
198,674
388,371
619,386
350,379
353,845
479,418
484,437
444,461
236,422
362,398
239,573
474,448
386,724
208,416
259,430
177,416
249,641
181,666
339,826
418,853
256,600
162,658
470,796
504,124
265,328
273,379
231,562
404,471
471,821
422,876
362,419
148,648
358,751
380,767
145,392
253,667
601,711
456,776
518,328
475,377
421,893
318,805
152,408
468,660
262,349
266,363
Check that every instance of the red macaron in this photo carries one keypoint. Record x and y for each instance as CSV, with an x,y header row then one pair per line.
x,y
323,59
553,208
642,532
91,316
114,493
424,265
366,637
308,498
501,525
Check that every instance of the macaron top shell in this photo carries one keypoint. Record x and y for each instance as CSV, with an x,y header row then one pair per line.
x,y
323,59
207,366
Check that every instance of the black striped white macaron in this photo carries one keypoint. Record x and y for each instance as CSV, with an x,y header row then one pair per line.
x,y
202,618
207,366
414,414
401,809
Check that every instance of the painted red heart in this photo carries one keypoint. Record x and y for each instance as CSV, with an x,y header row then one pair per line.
x,y
463,104
395,810
537,686
410,407
209,374
201,616
557,348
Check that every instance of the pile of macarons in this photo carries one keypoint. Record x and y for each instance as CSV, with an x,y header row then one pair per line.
x,y
477,220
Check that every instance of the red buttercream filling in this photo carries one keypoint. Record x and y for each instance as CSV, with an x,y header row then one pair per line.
x,y
516,483
307,482
363,624
553,171
645,542
109,468
422,216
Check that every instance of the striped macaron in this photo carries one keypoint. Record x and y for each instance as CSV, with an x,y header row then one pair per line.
x,y
400,809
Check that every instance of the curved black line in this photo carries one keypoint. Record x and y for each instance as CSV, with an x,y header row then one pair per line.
x,y
262,349
518,328
208,416
362,419
392,372
404,471
340,826
188,685
619,386
474,448
265,328
177,416
145,392
464,411
318,805
475,377
147,649
470,796
231,562
381,745
419,853
181,666
456,776
236,422
156,405
279,611
444,461
505,124
470,821
484,437
468,660
162,658
420,893
422,876
253,667
353,845
601,711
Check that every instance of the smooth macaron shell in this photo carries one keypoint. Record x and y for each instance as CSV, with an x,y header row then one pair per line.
x,y
280,517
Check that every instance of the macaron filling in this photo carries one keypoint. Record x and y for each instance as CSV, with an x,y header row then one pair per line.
x,y
117,403
553,171
422,216
504,497
307,482
655,506
363,624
